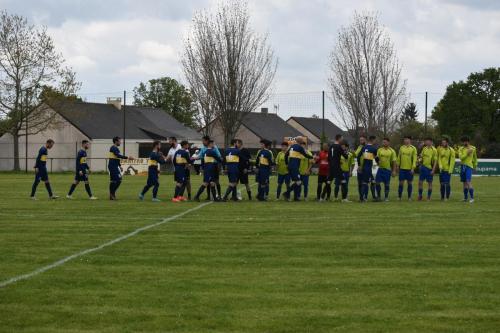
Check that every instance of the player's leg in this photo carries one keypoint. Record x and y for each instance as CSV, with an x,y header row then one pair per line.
x,y
305,183
422,176
202,188
73,186
281,180
35,185
336,188
401,184
345,187
469,184
378,182
88,189
429,187
319,188
187,184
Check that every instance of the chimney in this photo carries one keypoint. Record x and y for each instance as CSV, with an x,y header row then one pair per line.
x,y
115,101
264,110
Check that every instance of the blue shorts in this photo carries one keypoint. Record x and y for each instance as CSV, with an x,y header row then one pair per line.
x,y
264,175
233,175
366,176
425,174
344,179
405,175
465,173
294,174
383,176
180,175
81,178
284,179
42,175
115,175
444,177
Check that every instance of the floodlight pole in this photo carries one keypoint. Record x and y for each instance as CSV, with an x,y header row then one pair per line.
x,y
26,146
124,119
425,123
323,116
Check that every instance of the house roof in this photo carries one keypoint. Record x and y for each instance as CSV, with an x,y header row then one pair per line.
x,y
269,126
314,125
104,121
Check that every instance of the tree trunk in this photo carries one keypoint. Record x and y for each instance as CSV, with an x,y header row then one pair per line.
x,y
15,137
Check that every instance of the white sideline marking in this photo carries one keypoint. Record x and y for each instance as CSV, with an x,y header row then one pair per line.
x,y
97,248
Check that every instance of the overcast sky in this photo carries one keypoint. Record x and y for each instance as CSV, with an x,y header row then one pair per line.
x,y
114,45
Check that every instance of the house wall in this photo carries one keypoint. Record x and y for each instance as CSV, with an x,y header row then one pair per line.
x,y
314,142
250,140
62,156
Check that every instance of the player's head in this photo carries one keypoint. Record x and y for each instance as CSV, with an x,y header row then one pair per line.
x,y
117,141
445,142
284,146
172,140
428,141
210,143
362,139
465,140
299,140
85,144
325,146
184,144
267,144
238,143
205,140
372,139
156,145
344,144
233,142
49,143
386,142
338,138
407,140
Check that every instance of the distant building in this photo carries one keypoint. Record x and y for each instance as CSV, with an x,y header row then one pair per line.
x,y
255,127
98,123
312,128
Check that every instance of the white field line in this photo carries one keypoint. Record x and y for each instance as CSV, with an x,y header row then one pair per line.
x,y
97,248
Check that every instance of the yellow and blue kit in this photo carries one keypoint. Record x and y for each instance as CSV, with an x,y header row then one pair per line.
x,y
114,158
181,160
232,161
293,156
265,160
429,157
155,159
41,173
81,166
446,163
211,159
282,171
368,155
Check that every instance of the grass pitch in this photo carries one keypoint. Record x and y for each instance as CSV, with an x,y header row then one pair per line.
x,y
248,266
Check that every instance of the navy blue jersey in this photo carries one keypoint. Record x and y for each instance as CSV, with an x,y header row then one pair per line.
x,y
211,156
81,161
367,155
181,158
244,159
265,159
155,159
294,155
232,158
41,159
114,157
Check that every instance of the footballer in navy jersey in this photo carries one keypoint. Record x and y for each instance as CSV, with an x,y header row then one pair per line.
x,y
155,160
367,156
82,171
41,173
182,161
114,167
264,163
232,164
293,156
211,160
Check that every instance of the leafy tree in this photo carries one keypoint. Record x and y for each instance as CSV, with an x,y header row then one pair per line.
x,y
471,107
169,95
29,63
409,113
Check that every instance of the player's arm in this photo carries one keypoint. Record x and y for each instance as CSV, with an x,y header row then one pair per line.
x,y
115,151
474,159
452,161
394,163
435,160
38,161
414,160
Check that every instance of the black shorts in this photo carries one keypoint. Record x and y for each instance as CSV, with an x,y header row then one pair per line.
x,y
322,179
243,179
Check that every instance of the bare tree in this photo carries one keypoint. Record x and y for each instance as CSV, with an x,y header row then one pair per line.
x,y
228,66
29,68
365,77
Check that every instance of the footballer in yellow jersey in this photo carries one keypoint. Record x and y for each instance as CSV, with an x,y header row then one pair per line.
x,y
468,162
386,159
446,163
407,161
282,169
428,164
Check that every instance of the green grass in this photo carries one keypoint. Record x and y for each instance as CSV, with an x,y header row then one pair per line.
x,y
249,266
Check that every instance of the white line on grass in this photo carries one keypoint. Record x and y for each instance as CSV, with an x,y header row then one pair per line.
x,y
97,248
